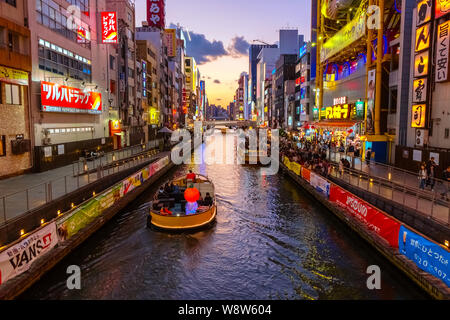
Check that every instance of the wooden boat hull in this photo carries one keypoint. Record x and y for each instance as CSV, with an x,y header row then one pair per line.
x,y
181,223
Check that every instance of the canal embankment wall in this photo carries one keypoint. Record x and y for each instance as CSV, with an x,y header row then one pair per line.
x,y
27,222
26,260
423,260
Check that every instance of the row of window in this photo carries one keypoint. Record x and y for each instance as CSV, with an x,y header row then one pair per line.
x,y
10,94
54,17
82,4
62,64
70,130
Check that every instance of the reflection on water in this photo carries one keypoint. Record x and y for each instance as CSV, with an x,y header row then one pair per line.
x,y
271,241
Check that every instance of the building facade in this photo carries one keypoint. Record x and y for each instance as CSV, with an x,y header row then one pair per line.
x,y
16,132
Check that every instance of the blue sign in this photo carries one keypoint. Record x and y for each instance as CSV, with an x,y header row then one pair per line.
x,y
428,256
302,51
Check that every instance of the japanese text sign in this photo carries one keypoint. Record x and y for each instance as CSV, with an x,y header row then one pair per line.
x,y
422,37
109,27
442,52
420,90
155,13
421,64
56,98
418,114
428,256
423,12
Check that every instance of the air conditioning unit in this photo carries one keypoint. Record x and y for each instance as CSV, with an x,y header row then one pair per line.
x,y
20,146
421,137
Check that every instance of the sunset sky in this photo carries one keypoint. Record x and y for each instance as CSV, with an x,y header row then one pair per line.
x,y
221,32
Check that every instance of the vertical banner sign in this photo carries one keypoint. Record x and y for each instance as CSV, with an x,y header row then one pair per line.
x,y
442,8
109,27
19,258
371,80
170,41
442,52
427,255
155,13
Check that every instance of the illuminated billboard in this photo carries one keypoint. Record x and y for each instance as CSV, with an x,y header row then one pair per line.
x,y
418,116
109,27
56,98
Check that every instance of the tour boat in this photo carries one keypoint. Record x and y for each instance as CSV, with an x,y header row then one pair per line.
x,y
183,210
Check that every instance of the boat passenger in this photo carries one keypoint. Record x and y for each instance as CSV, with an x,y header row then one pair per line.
x,y
162,193
208,201
191,176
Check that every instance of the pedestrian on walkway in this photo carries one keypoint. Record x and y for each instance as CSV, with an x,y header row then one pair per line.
x,y
431,172
422,177
368,156
446,177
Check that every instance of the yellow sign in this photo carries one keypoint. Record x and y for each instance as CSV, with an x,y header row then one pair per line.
x,y
337,112
422,37
13,76
153,115
421,64
423,12
420,90
418,116
351,32
442,7
296,168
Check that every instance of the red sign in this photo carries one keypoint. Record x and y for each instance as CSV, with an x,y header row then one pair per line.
x,y
155,13
371,217
56,98
306,174
114,127
81,35
109,27
442,8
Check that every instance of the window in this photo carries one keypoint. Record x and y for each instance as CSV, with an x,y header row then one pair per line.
x,y
393,101
12,94
447,133
112,62
11,2
2,146
395,52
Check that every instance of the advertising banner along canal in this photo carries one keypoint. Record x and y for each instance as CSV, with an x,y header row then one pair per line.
x,y
19,257
372,218
428,256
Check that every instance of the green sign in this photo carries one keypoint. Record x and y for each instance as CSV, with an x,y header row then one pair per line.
x,y
315,113
358,111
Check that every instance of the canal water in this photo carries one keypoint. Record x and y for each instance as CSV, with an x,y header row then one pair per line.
x,y
271,241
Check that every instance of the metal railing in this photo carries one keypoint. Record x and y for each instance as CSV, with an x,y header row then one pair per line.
x,y
21,202
397,175
424,202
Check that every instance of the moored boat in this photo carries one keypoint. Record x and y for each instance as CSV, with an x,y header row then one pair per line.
x,y
186,207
